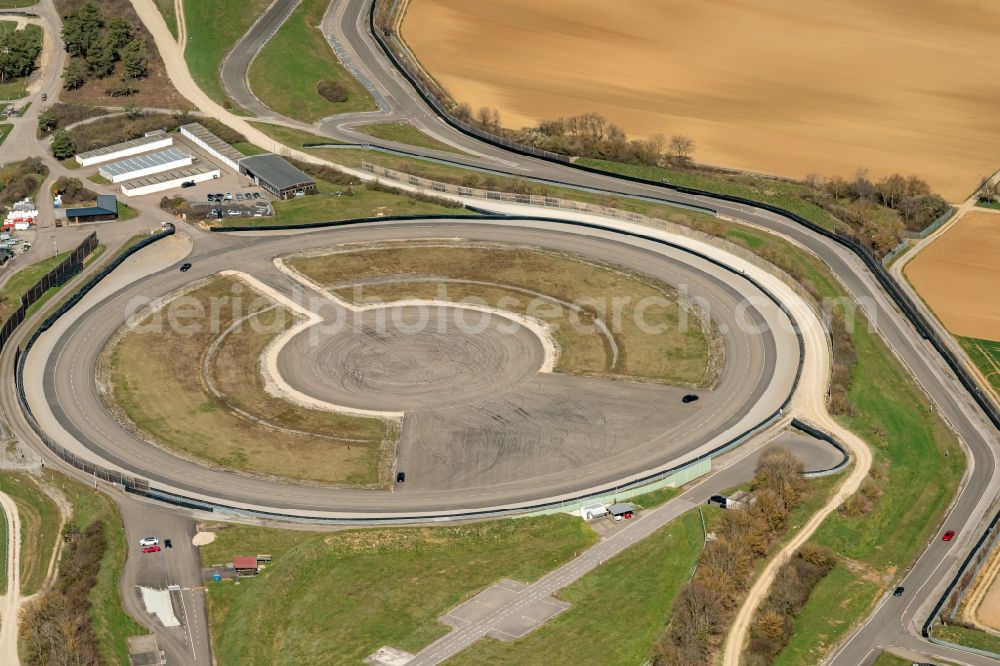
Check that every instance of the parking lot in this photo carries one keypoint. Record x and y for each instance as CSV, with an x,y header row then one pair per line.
x,y
251,202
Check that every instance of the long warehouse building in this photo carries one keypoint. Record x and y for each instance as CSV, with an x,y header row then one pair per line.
x,y
199,135
168,180
154,140
146,165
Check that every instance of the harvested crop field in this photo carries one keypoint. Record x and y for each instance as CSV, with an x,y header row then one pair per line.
x,y
776,87
958,278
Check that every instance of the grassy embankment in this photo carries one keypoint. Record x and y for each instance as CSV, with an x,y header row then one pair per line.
x,y
979,640
286,73
18,88
353,157
40,522
889,659
5,129
169,12
19,283
788,195
406,133
681,355
16,4
213,27
111,623
162,392
986,355
335,598
334,202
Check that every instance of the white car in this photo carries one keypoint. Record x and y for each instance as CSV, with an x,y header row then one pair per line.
x,y
149,541
229,196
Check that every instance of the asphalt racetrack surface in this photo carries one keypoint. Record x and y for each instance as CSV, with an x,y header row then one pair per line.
x,y
533,436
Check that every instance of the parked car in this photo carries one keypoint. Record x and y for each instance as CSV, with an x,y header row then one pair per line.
x,y
898,592
167,543
229,196
151,549
256,195
239,196
148,541
211,198
185,267
717,499
948,536
45,96
628,515
400,477
188,183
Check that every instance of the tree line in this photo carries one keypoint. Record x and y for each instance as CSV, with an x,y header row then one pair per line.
x,y
55,625
727,566
19,51
96,46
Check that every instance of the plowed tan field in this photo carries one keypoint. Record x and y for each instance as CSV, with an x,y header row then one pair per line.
x,y
774,86
959,276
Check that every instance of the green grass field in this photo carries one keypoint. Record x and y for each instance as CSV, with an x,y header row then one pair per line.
x,y
986,355
979,640
334,598
14,4
24,279
327,206
285,74
213,27
169,13
39,527
111,623
989,204
789,196
406,133
889,659
618,610
5,129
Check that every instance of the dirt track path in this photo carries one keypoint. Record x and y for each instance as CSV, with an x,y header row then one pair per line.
x,y
10,603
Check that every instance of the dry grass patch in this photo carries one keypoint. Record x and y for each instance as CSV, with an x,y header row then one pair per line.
x,y
219,412
591,307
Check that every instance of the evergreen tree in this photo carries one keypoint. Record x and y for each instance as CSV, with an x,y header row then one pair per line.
x,y
63,145
75,75
134,59
101,59
82,30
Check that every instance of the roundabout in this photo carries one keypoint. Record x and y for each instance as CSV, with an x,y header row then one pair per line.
x,y
482,422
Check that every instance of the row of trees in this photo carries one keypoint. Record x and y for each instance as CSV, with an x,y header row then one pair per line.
x,y
726,566
881,210
793,583
96,47
19,51
587,135
55,625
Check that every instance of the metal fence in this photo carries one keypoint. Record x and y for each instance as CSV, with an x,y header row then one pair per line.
x,y
109,475
66,269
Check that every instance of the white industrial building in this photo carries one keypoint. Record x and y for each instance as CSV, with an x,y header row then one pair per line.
x,y
146,165
197,134
168,180
154,140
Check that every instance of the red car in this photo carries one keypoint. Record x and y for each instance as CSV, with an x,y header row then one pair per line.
x,y
948,536
151,549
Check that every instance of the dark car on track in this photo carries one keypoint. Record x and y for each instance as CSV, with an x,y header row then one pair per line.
x,y
400,477
690,397
898,592
188,183
185,267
